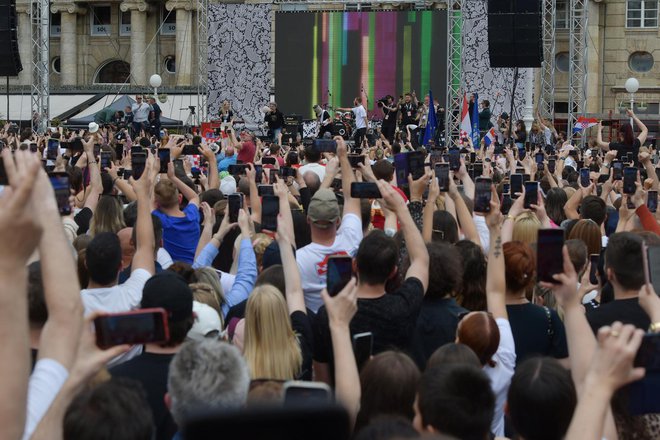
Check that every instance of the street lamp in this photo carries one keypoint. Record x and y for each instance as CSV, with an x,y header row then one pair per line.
x,y
632,85
155,81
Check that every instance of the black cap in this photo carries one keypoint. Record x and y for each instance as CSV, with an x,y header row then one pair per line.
x,y
171,292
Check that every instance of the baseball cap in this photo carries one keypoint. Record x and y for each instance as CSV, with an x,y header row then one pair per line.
x,y
206,321
93,127
171,292
228,185
323,208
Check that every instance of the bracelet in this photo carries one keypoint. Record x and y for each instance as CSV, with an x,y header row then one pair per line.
x,y
92,162
415,200
509,217
562,158
606,165
654,327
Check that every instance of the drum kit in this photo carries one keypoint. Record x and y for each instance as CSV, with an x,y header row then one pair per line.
x,y
343,123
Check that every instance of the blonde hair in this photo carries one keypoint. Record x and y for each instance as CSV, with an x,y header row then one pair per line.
x,y
211,277
108,216
205,294
166,194
271,348
525,228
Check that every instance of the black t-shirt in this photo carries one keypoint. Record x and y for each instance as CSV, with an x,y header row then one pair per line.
x,y
226,117
275,120
536,331
389,116
82,219
623,149
391,319
151,370
408,113
436,326
302,325
628,311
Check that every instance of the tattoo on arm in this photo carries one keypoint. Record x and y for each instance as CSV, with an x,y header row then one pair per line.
x,y
498,247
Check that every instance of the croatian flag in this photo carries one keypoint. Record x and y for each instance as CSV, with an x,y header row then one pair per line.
x,y
583,123
466,126
490,137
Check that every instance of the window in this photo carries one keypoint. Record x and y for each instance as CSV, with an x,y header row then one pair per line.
x,y
113,72
562,15
562,62
168,19
640,61
55,65
101,20
170,64
642,13
55,25
125,23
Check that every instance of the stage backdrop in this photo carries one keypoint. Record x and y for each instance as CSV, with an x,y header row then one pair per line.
x,y
239,58
332,57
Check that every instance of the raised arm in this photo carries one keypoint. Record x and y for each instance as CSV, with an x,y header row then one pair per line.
x,y
184,189
463,213
207,228
95,188
145,246
495,282
351,205
429,210
255,200
214,181
599,138
644,131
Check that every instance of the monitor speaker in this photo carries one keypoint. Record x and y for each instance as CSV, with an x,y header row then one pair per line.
x,y
10,59
515,33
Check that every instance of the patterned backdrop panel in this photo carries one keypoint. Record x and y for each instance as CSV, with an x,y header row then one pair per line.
x,y
491,83
239,58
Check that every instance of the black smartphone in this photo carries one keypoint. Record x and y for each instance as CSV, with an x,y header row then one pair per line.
x,y
416,164
134,327
325,145
272,172
585,181
258,173
478,169
355,160
499,149
4,179
97,150
340,270
365,190
473,157
302,393
442,174
62,188
106,160
539,158
482,194
653,264
629,179
550,260
552,166
593,260
270,208
288,172
138,162
33,147
362,347
516,184
164,156
235,203
52,149
522,153
652,200
617,167
190,150
265,190
526,178
506,204
531,194
268,160
454,159
237,169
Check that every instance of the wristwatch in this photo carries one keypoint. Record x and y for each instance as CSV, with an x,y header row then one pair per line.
x,y
654,327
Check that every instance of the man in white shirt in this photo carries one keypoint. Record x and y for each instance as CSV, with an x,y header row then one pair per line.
x,y
361,121
312,159
140,111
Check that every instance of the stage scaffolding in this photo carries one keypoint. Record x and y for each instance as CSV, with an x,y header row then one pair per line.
x,y
454,72
547,95
202,59
577,69
40,90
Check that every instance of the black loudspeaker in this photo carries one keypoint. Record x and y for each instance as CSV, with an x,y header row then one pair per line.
x,y
10,60
515,33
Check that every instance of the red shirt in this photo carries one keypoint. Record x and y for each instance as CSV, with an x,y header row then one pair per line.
x,y
377,218
247,151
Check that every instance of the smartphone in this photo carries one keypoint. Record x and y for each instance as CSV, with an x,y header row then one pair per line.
x,y
272,172
552,166
265,190
235,203
539,158
506,188
270,208
454,159
355,160
4,179
134,327
258,173
652,200
478,169
62,188
482,194
617,167
33,148
288,172
52,149
473,157
340,270
629,179
522,153
516,184
164,156
531,194
106,160
653,264
325,145
442,174
138,162
593,259
550,260
506,204
416,164
237,169
97,150
298,393
365,190
268,160
363,348
585,181
526,178
190,150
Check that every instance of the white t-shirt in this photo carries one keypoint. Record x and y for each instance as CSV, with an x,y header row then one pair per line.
x,y
482,230
360,116
314,167
313,259
500,375
45,382
140,112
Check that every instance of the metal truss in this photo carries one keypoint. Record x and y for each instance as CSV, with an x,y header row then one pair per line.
x,y
454,71
40,90
577,69
547,98
357,5
202,59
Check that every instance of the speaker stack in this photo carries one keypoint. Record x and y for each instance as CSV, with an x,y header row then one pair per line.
x,y
515,33
10,60
293,125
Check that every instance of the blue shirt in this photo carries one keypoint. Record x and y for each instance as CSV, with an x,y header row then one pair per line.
x,y
224,162
181,234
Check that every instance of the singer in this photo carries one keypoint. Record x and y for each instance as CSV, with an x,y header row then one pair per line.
x,y
361,121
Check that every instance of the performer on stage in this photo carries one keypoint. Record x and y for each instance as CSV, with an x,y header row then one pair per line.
x,y
324,120
361,121
226,114
275,120
390,111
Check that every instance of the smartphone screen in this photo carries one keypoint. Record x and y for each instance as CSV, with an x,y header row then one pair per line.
x,y
138,162
550,260
268,161
106,160
52,149
355,160
340,270
482,194
478,169
97,150
272,173
402,171
265,190
362,347
507,201
653,258
473,157
190,150
531,194
442,174
4,179
617,167
552,166
365,190
539,158
136,327
288,172
33,147
237,169
584,177
325,145
306,393
178,166
516,184
235,203
62,188
629,179
164,157
593,259
416,164
258,173
652,200
270,208
454,159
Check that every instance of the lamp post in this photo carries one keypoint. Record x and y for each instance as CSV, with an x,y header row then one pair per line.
x,y
155,81
632,85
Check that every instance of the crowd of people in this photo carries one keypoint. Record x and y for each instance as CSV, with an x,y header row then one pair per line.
x,y
464,339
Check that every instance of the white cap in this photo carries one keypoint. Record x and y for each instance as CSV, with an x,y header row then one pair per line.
x,y
93,127
228,185
206,321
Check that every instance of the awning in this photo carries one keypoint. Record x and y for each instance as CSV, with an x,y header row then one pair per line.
x,y
20,105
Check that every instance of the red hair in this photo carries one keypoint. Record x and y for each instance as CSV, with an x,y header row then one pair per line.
x,y
520,264
479,331
626,134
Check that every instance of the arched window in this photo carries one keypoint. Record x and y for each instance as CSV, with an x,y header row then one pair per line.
x,y
113,72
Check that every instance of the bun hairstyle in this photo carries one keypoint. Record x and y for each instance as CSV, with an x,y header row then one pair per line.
x,y
520,265
479,331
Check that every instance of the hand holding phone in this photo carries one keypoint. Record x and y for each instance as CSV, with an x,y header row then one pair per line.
x,y
482,195
235,204
62,188
550,259
531,194
340,270
135,327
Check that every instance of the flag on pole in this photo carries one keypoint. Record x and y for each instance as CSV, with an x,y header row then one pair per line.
x,y
431,121
475,120
490,137
466,127
583,122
